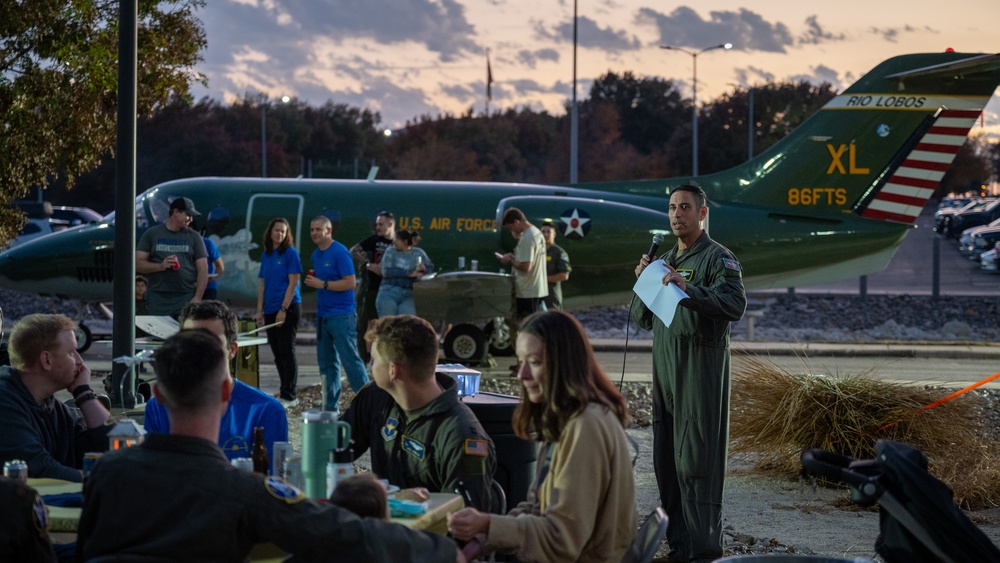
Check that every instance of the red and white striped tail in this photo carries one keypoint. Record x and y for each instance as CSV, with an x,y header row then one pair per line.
x,y
905,193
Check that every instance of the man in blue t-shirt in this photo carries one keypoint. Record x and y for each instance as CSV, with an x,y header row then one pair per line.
x,y
215,269
248,408
336,319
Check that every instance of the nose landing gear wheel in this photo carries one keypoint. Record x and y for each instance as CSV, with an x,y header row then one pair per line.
x,y
500,344
83,337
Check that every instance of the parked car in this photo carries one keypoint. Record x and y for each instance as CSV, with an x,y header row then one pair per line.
x,y
983,241
36,228
954,202
989,260
942,217
974,217
76,215
965,240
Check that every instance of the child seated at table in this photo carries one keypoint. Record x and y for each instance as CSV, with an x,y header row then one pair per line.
x,y
363,495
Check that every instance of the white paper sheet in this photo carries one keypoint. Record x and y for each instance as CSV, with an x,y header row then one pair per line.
x,y
661,299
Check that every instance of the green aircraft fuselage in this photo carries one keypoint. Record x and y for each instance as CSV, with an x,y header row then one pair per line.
x,y
831,201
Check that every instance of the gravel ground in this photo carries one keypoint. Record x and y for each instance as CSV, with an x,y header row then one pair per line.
x,y
841,318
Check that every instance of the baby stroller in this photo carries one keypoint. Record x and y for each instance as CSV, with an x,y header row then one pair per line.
x,y
919,521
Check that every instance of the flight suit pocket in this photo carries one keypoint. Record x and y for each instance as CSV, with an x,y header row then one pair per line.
x,y
692,459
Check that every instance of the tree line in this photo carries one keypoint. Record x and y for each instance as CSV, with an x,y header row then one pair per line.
x,y
629,128
58,88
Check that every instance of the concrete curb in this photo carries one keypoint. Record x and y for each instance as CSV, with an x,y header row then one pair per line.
x,y
937,350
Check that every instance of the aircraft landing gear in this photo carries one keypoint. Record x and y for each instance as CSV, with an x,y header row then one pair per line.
x,y
84,338
465,344
498,331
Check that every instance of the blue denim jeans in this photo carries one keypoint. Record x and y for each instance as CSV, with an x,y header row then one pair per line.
x,y
336,342
394,300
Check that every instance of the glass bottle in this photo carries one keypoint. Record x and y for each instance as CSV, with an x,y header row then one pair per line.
x,y
258,452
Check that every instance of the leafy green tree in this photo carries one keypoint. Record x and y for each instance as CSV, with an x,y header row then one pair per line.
x,y
58,84
972,168
650,109
779,107
511,146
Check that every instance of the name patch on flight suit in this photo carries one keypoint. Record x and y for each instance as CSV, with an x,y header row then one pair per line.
x,y
687,274
731,264
414,448
282,490
389,430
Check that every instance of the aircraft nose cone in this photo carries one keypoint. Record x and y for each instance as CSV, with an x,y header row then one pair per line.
x,y
12,269
6,266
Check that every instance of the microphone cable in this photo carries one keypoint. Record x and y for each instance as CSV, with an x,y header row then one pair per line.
x,y
628,317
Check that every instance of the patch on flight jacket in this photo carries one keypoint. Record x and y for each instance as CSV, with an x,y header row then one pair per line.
x,y
731,264
389,430
477,447
414,448
283,490
687,274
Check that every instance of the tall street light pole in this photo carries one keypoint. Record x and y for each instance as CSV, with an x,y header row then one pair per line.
x,y
694,96
574,133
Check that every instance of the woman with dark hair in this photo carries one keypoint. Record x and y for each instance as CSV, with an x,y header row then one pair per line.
x,y
581,505
402,264
279,301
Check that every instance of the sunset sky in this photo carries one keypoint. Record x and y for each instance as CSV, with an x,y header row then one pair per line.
x,y
406,58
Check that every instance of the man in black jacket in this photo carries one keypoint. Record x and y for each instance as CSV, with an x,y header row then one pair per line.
x,y
177,497
50,436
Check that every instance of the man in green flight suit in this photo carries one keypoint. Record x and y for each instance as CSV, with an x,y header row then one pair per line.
x,y
691,378
420,434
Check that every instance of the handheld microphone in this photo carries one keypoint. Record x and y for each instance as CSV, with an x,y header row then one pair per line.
x,y
654,246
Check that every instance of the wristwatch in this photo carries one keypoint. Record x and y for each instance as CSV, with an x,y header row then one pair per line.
x,y
324,284
283,310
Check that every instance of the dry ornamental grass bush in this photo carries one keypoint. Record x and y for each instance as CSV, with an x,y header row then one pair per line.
x,y
776,414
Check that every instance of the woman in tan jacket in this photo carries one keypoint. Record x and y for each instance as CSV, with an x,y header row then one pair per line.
x,y
581,505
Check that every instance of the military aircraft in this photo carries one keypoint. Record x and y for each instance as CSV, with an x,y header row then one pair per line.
x,y
833,200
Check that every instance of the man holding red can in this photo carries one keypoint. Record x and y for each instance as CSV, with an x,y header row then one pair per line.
x,y
172,256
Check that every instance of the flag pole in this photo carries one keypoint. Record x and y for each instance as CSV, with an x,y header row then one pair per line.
x,y
489,83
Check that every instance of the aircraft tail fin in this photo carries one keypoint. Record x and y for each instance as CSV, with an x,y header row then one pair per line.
x,y
878,150
918,168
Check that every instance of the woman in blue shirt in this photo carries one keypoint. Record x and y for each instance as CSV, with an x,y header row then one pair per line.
x,y
279,301
402,264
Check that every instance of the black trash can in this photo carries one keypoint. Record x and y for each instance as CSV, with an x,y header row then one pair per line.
x,y
515,457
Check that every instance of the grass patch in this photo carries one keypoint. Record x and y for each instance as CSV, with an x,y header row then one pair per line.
x,y
776,414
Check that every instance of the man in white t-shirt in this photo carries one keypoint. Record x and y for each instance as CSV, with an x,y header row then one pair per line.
x,y
528,263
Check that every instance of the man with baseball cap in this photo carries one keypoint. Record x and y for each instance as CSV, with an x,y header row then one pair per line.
x,y
172,256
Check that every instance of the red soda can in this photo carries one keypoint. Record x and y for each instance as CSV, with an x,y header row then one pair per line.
x,y
312,273
177,264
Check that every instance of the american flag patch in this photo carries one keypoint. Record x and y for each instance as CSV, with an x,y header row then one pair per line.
x,y
731,264
476,447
